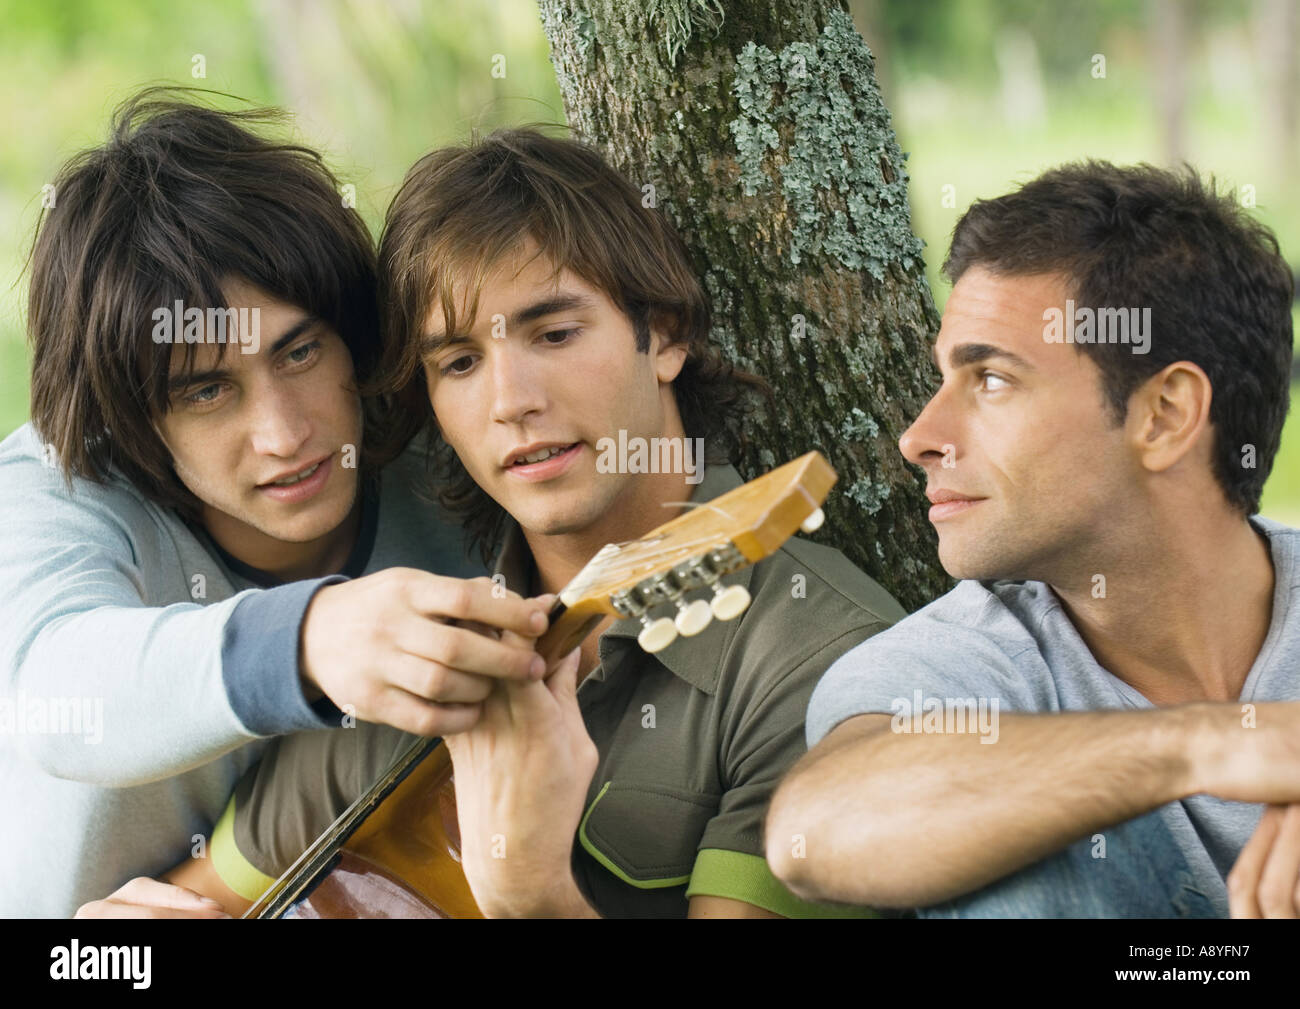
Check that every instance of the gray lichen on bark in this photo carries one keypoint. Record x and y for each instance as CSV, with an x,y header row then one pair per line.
x,y
841,174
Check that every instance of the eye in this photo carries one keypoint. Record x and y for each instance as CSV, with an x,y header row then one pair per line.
x,y
303,352
457,366
565,335
204,396
989,376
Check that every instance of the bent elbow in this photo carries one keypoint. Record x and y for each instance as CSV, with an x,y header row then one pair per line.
x,y
787,836
822,853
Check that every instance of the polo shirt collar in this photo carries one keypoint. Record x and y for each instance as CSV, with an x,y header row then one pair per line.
x,y
696,660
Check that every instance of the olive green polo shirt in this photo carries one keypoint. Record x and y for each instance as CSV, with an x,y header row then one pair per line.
x,y
692,743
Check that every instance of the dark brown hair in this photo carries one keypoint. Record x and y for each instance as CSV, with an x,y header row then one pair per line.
x,y
462,210
180,198
1140,237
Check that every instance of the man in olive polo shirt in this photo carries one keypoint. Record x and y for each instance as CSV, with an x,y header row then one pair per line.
x,y
625,784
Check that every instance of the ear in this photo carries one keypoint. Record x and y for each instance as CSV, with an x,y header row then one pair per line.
x,y
669,356
1168,414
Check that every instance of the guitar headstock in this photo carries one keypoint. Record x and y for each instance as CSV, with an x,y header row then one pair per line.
x,y
693,551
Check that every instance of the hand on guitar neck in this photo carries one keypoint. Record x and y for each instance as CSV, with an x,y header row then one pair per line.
x,y
408,648
522,773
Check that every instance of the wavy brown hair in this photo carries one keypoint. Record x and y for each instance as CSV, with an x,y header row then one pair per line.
x,y
180,198
462,210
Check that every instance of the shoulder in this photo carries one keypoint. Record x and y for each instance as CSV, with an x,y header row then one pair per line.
x,y
988,623
810,604
1284,543
36,494
980,638
829,579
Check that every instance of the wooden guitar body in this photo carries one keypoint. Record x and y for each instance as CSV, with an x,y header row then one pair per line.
x,y
399,858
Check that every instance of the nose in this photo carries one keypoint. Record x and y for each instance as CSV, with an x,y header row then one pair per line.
x,y
280,425
517,392
932,436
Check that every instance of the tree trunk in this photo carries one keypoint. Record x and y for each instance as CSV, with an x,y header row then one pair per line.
x,y
762,132
1279,32
1169,28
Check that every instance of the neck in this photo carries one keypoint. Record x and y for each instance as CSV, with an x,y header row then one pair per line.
x,y
286,561
649,501
1184,618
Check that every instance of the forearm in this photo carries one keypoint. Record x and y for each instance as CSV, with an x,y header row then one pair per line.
x,y
903,820
167,688
145,687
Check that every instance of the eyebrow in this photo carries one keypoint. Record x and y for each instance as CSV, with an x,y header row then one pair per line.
x,y
185,381
564,301
966,354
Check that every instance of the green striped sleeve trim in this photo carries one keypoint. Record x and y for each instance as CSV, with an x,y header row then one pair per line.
x,y
603,859
235,870
740,876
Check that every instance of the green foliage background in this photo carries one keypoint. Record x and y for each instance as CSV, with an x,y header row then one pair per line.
x,y
376,84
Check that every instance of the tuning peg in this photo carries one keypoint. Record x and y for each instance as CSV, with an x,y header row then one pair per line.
x,y
813,522
656,635
693,617
729,601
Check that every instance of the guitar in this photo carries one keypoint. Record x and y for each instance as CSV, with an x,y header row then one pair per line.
x,y
395,852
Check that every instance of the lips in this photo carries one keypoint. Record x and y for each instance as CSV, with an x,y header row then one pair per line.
x,y
293,476
945,496
947,503
290,481
540,452
543,455
305,482
552,464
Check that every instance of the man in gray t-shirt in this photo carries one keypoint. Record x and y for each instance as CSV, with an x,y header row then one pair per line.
x,y
1000,647
1101,719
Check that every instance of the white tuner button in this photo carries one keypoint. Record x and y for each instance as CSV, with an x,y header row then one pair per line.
x,y
657,635
813,522
730,602
693,617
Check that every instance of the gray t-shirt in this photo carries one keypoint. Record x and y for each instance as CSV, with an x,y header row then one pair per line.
x,y
1012,643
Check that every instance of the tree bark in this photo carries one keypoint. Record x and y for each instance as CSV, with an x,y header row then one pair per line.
x,y
761,129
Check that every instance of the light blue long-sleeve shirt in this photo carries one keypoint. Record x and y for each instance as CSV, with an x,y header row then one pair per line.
x,y
141,667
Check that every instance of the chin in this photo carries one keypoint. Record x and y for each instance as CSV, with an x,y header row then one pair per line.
x,y
973,561
305,530
555,518
317,521
554,524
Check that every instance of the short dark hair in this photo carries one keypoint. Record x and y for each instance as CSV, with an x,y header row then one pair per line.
x,y
463,209
1218,288
180,198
